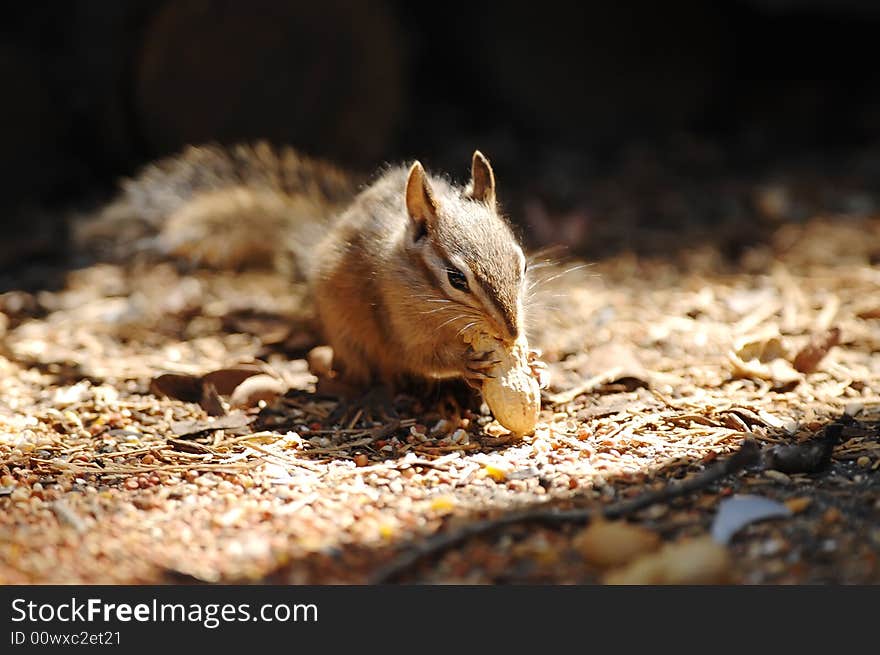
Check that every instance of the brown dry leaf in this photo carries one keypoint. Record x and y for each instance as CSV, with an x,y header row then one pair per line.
x,y
187,388
609,544
189,447
869,313
809,356
607,364
210,400
225,380
687,562
206,390
620,358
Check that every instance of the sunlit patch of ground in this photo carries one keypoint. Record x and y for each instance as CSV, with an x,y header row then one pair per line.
x,y
660,366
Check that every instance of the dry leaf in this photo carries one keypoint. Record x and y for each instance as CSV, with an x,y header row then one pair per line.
x,y
187,388
619,357
763,347
225,380
189,446
814,352
871,312
608,364
764,356
739,511
210,400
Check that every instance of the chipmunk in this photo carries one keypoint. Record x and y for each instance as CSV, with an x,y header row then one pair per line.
x,y
398,271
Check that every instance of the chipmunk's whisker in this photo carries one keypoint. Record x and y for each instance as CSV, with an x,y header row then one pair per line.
x,y
541,281
469,325
438,309
454,318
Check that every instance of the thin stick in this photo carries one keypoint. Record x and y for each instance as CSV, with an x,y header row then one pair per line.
x,y
585,387
747,455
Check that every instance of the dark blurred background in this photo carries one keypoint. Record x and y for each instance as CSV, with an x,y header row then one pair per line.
x,y
593,113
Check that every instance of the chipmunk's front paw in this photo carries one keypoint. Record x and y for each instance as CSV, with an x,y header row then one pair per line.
x,y
477,367
538,368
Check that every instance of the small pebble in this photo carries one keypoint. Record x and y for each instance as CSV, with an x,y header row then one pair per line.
x,y
361,460
496,472
444,503
798,505
441,427
831,515
20,493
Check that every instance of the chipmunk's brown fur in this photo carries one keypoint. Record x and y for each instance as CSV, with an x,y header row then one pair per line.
x,y
399,272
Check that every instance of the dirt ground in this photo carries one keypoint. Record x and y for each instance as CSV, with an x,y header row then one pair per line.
x,y
661,365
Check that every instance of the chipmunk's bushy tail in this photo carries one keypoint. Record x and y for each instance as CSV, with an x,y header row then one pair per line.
x,y
222,207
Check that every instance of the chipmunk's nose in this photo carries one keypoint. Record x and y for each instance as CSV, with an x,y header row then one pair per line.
x,y
505,311
511,323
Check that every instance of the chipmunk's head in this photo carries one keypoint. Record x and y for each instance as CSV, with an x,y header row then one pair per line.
x,y
472,258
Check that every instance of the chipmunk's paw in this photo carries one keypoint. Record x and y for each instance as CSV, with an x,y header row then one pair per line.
x,y
477,367
538,368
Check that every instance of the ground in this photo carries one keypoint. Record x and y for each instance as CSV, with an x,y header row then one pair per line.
x,y
661,364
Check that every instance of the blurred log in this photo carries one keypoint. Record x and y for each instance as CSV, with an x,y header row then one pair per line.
x,y
30,127
601,72
325,76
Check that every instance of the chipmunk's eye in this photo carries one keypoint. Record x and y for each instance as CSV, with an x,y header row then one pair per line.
x,y
457,279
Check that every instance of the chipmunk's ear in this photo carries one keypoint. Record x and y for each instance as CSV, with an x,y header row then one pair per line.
x,y
482,186
421,205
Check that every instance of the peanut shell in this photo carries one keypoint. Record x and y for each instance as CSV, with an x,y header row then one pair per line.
x,y
513,394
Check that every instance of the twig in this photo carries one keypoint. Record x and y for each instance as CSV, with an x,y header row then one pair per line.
x,y
585,387
747,455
